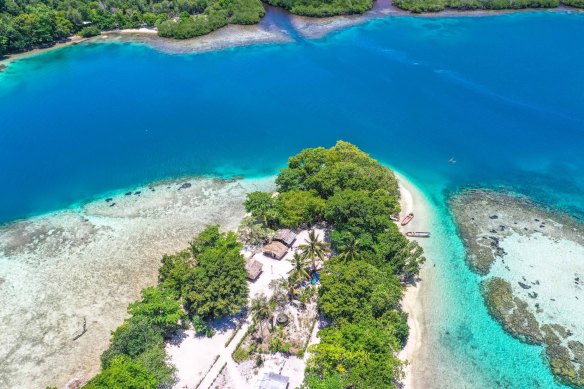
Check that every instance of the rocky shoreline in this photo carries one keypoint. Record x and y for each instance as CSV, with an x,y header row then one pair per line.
x,y
531,261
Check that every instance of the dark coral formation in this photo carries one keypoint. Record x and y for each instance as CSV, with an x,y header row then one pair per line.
x,y
565,355
485,217
512,312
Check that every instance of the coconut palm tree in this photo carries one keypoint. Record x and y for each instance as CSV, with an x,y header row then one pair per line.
x,y
261,309
299,265
314,248
286,287
349,251
253,233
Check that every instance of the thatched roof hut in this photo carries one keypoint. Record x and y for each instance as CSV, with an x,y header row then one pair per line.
x,y
253,269
285,236
275,249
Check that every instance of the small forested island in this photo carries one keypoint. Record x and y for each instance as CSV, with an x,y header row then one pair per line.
x,y
26,24
343,269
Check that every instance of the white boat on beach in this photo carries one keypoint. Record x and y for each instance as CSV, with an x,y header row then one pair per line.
x,y
418,234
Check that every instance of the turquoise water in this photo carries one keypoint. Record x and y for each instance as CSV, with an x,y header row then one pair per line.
x,y
503,95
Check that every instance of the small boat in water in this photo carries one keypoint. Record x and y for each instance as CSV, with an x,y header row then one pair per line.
x,y
394,217
418,234
407,219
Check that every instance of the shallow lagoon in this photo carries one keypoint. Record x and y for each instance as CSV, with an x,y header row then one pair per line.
x,y
503,95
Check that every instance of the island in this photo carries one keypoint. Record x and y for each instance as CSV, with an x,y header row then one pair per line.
x,y
314,276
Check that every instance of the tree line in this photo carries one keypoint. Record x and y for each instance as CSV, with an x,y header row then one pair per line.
x,y
25,24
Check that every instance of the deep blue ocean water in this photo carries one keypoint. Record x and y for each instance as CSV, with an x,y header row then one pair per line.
x,y
503,95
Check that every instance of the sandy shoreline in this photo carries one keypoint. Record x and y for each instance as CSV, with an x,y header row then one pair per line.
x,y
267,31
412,200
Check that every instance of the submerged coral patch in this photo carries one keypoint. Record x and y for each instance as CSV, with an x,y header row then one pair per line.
x,y
531,260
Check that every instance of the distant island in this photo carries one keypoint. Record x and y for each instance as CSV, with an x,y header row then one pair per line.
x,y
28,25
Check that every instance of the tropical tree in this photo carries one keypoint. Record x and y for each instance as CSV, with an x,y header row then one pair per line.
x,y
299,266
260,205
160,309
217,285
124,373
349,251
261,309
314,248
253,233
285,287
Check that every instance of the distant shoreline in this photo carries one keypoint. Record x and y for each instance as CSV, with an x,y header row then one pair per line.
x,y
232,36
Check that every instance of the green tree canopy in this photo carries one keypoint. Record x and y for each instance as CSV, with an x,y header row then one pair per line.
x,y
360,211
124,373
341,167
298,207
132,338
261,206
361,354
356,290
160,308
217,285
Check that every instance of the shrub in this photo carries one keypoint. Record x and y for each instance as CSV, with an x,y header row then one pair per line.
x,y
88,32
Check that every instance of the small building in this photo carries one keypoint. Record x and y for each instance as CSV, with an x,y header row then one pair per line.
x,y
285,236
275,249
253,269
274,381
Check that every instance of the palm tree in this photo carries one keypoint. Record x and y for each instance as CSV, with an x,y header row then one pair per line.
x,y
349,251
253,233
290,285
299,265
314,248
261,309
285,287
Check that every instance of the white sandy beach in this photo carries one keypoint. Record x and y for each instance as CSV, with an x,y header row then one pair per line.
x,y
63,268
412,200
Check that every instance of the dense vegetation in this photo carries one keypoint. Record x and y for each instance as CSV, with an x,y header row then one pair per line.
x,y
360,285
217,14
25,24
322,8
418,6
202,283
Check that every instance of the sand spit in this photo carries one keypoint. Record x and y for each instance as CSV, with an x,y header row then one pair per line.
x,y
532,261
72,267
